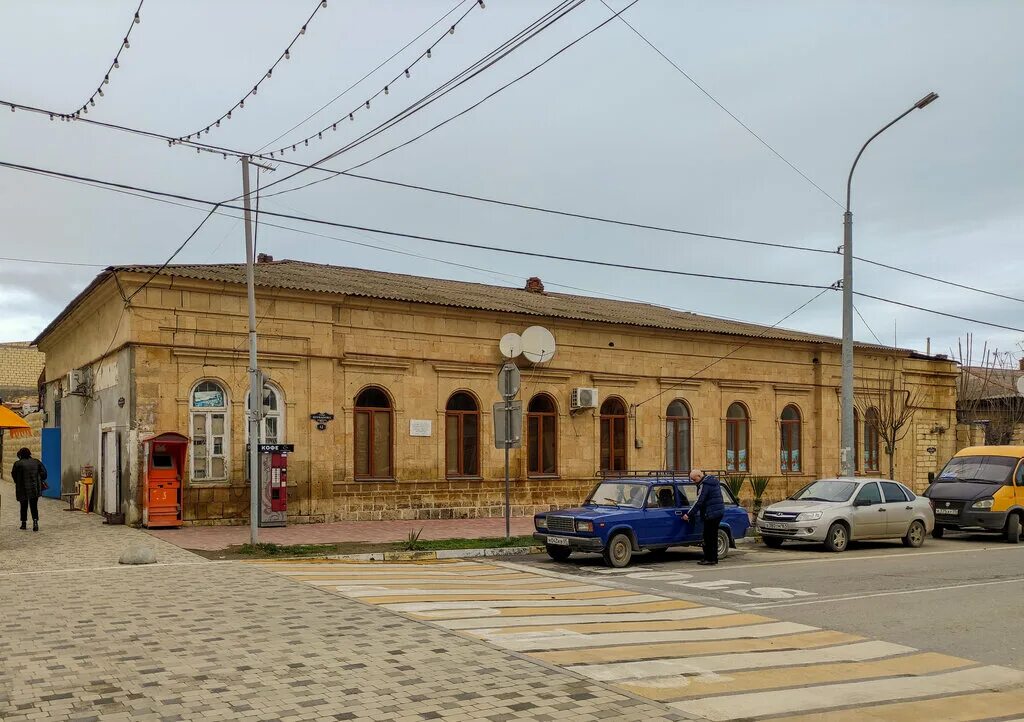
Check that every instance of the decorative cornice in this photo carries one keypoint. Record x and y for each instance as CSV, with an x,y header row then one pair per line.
x,y
614,380
792,389
233,355
682,384
738,385
380,364
458,370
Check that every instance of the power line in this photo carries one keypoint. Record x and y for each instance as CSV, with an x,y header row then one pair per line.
x,y
384,62
718,360
384,90
867,326
463,244
491,58
53,263
715,100
285,55
938,280
116,63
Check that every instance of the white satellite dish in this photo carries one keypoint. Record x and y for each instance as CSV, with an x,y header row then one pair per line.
x,y
538,345
1020,385
511,345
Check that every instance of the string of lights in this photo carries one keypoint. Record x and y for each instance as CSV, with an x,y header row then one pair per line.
x,y
226,152
114,65
481,247
384,90
336,98
286,55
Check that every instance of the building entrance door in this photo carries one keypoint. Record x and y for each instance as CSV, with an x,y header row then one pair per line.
x,y
110,469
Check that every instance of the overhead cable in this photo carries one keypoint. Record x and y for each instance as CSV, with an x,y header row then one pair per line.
x,y
240,104
495,249
715,100
114,65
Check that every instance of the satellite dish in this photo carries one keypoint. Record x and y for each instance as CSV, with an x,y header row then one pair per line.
x,y
511,345
538,345
1020,385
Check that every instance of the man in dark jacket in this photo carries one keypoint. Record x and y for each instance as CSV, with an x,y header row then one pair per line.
x,y
29,475
710,508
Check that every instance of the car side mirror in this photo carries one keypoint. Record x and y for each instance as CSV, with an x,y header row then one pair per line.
x,y
862,502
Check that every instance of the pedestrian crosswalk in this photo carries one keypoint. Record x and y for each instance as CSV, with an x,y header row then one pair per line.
x,y
705,661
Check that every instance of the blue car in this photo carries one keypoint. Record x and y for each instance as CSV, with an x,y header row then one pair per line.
x,y
626,515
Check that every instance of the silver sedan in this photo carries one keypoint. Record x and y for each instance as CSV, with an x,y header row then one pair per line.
x,y
837,511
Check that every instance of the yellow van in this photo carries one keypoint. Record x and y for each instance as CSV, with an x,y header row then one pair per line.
x,y
980,489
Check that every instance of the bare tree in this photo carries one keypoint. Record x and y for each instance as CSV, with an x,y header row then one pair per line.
x,y
988,391
887,398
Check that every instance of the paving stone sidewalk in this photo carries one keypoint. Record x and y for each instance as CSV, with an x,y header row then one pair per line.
x,y
82,638
213,538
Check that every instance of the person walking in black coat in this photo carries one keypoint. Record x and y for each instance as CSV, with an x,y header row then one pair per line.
x,y
710,508
29,475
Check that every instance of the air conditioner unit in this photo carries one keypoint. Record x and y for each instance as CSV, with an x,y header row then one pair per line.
x,y
583,398
75,383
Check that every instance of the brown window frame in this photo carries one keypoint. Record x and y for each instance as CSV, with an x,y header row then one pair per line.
x,y
732,436
544,419
872,442
856,441
371,413
612,421
672,424
786,428
458,416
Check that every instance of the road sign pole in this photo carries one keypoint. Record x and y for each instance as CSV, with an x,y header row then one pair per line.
x,y
508,443
508,387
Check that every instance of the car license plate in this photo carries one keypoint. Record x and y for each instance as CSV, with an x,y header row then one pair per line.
x,y
558,541
947,512
774,525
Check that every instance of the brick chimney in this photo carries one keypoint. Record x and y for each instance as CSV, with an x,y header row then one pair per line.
x,y
264,258
534,285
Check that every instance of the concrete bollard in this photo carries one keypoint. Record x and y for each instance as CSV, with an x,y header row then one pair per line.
x,y
138,554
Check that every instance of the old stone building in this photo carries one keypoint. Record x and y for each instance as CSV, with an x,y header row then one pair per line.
x,y
20,368
407,367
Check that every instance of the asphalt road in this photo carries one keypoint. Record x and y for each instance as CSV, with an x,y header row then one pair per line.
x,y
961,595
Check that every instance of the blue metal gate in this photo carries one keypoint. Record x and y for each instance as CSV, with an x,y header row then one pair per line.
x,y
51,460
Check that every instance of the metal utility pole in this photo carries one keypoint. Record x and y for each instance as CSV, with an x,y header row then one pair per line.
x,y
847,458
255,377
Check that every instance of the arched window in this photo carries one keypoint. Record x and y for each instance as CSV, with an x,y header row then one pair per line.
x,y
871,439
737,438
373,435
677,436
542,436
272,423
462,436
211,431
789,426
613,435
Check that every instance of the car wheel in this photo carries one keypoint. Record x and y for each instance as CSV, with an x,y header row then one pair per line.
x,y
938,531
838,537
723,543
915,535
559,554
619,551
773,541
1013,529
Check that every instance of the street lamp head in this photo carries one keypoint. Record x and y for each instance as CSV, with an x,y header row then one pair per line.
x,y
926,100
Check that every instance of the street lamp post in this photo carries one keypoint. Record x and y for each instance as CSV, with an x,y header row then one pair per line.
x,y
847,458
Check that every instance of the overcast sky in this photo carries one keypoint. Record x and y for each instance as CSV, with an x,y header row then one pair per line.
x,y
607,128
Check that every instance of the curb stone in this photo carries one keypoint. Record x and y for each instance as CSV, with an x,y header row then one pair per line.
x,y
436,555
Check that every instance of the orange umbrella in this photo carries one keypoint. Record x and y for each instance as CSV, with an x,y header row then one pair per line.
x,y
10,421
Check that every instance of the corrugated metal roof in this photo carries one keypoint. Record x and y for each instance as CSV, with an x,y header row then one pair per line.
x,y
317,278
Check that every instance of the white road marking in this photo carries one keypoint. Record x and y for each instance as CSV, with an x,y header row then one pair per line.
x,y
854,597
545,641
807,699
626,600
621,671
362,590
471,583
490,625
